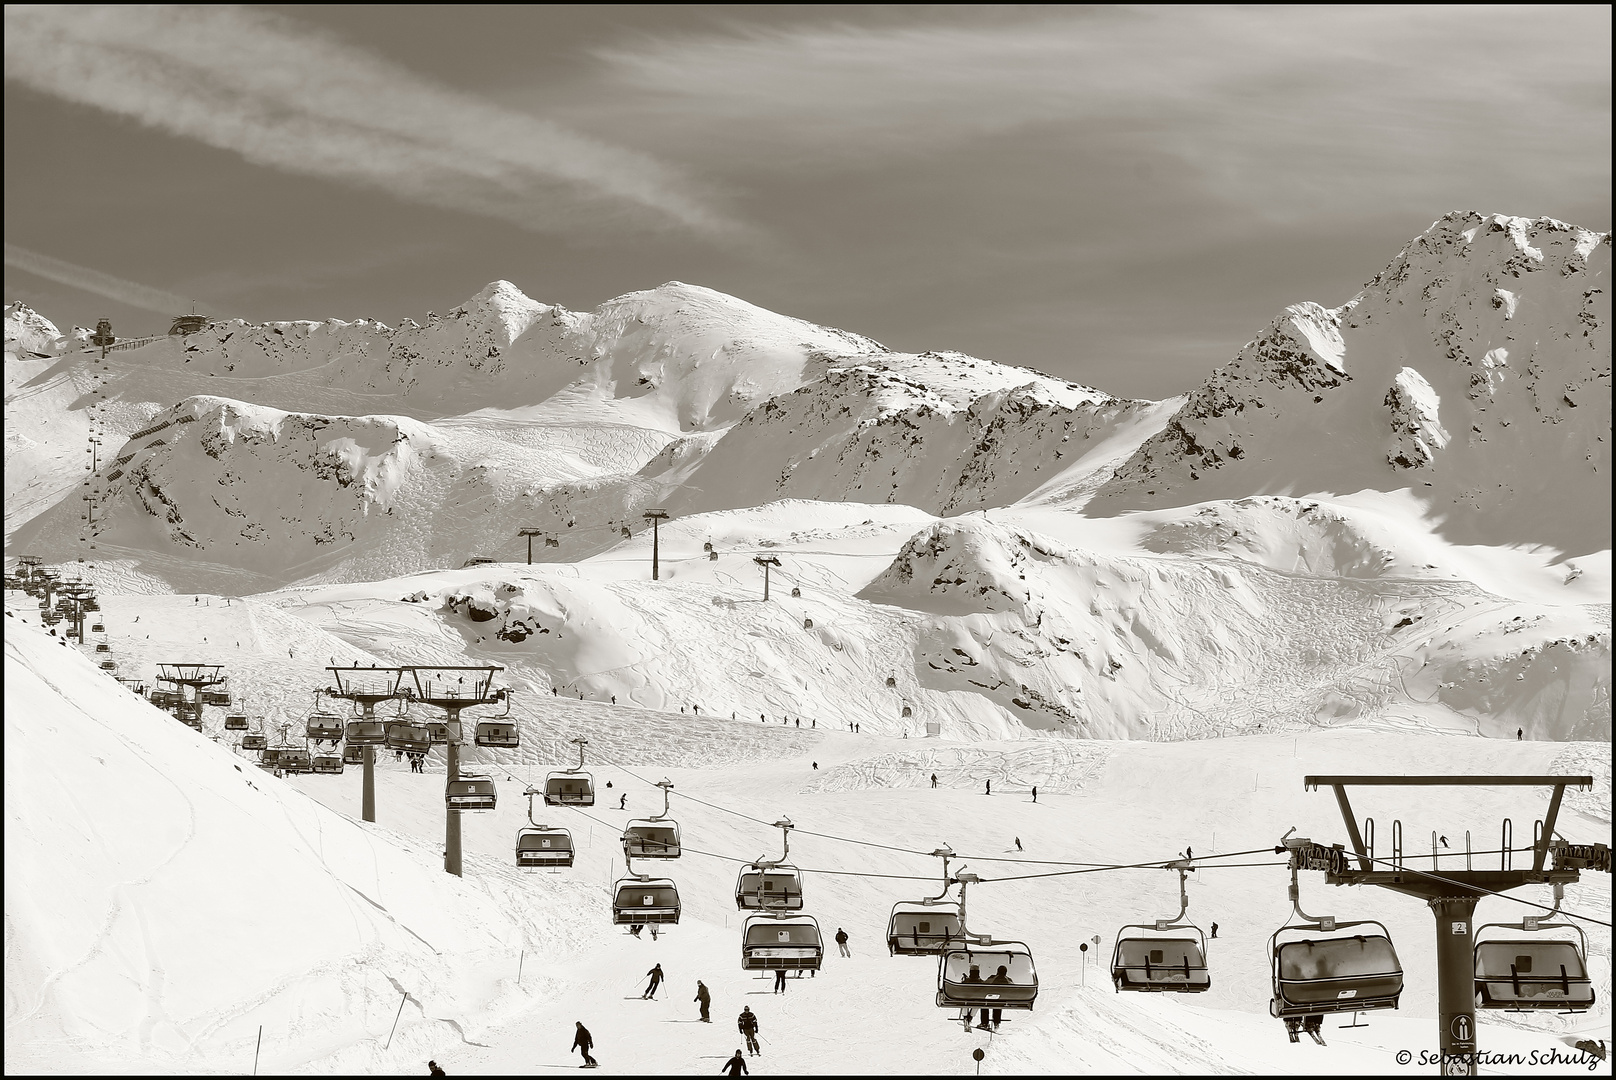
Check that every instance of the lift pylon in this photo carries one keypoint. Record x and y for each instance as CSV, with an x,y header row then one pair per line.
x,y
1450,894
365,686
454,688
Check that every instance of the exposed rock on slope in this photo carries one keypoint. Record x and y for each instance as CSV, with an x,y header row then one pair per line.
x,y
1500,323
29,334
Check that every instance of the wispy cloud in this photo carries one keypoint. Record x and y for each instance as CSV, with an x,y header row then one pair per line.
x,y
120,289
1271,107
286,96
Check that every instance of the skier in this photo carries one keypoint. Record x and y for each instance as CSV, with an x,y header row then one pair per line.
x,y
582,1042
816,766
736,1065
1444,840
1035,793
799,721
841,941
1018,843
934,780
622,803
614,699
656,981
748,1025
1214,930
779,980
1519,732
855,729
434,1069
705,1000
989,790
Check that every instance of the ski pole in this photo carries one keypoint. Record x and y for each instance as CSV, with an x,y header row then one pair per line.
x,y
402,999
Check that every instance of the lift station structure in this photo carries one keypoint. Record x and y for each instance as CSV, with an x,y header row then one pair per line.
x,y
1450,894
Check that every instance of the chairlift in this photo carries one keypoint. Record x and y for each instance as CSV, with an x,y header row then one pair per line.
x,y
643,899
1160,960
497,733
773,942
235,723
542,845
254,741
1340,973
438,733
328,764
220,698
983,973
1532,972
571,787
323,727
353,755
109,665
365,733
655,837
409,737
102,646
98,628
926,926
470,792
295,760
771,884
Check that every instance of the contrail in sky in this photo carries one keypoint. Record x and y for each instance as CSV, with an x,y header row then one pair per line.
x,y
287,96
120,289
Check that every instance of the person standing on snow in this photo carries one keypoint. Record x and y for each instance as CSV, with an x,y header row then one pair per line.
x,y
841,941
1214,930
779,980
656,981
748,1025
582,1042
934,780
705,999
434,1069
736,1065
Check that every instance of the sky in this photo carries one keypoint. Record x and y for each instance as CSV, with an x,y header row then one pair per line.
x,y
1121,196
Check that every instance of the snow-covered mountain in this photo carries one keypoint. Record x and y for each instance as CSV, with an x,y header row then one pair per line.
x,y
1474,370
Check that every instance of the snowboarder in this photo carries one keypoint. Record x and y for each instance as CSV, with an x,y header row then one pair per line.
x,y
841,941
582,1042
933,779
779,980
622,803
748,1025
704,999
434,1069
656,981
736,1065
1214,930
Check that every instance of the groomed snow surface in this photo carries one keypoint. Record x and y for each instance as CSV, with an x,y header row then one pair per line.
x,y
191,898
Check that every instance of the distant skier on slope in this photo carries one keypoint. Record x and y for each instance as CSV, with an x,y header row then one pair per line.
x,y
841,941
582,1042
748,1025
704,999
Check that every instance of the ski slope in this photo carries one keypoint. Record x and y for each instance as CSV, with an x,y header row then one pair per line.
x,y
159,842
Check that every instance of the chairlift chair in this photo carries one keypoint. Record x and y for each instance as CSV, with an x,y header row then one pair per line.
x,y
102,646
213,697
927,926
570,787
109,665
296,760
1162,958
470,792
353,755
365,733
771,884
1533,972
254,741
98,628
328,763
1341,972
640,899
775,942
541,845
655,837
408,737
438,733
235,723
1010,982
323,727
497,733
